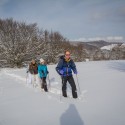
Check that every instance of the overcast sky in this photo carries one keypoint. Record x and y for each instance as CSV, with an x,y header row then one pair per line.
x,y
74,19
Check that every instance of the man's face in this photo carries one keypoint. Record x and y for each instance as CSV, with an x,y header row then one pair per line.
x,y
67,55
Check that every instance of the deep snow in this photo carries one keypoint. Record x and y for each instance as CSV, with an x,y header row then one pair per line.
x,y
102,101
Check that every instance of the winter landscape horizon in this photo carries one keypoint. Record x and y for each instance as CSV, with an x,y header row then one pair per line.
x,y
101,97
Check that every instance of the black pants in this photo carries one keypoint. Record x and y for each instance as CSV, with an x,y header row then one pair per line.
x,y
72,84
44,84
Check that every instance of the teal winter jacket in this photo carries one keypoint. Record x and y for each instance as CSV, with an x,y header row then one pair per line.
x,y
42,70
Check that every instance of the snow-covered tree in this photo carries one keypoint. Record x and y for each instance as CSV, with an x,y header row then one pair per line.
x,y
18,41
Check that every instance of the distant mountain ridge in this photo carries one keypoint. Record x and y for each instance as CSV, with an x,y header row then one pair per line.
x,y
102,50
94,44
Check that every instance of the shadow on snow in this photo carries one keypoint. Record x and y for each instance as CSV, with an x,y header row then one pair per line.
x,y
71,117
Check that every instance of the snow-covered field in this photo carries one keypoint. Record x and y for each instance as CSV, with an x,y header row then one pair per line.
x,y
101,102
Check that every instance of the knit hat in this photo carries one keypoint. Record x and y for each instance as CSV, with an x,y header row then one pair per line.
x,y
41,60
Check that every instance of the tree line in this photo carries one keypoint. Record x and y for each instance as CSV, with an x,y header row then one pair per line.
x,y
20,42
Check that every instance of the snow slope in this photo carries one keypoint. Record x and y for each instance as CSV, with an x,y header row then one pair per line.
x,y
102,101
109,47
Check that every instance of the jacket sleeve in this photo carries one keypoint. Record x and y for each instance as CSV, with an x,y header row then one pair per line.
x,y
47,70
73,66
31,69
39,70
59,66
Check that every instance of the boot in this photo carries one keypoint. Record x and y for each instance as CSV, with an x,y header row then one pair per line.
x,y
45,88
64,93
74,94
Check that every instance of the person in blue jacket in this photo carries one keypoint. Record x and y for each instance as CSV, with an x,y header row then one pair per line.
x,y
43,71
64,68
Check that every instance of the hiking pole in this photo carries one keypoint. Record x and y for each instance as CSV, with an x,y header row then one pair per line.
x,y
34,80
49,82
78,84
26,78
61,87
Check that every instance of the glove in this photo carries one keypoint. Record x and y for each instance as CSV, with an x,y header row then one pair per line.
x,y
61,72
75,72
43,72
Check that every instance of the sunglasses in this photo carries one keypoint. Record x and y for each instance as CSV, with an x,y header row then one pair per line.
x,y
67,54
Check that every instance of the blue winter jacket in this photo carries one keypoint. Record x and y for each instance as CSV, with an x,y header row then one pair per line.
x,y
66,67
42,70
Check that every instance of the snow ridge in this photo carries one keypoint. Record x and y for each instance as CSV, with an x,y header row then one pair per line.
x,y
14,75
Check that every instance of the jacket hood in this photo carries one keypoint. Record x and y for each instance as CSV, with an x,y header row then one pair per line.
x,y
62,57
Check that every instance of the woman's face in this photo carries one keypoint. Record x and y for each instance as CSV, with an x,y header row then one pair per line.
x,y
42,62
33,61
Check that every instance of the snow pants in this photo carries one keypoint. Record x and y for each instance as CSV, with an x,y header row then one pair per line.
x,y
71,81
44,84
33,79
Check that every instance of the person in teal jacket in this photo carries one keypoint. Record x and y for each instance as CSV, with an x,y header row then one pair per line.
x,y
43,71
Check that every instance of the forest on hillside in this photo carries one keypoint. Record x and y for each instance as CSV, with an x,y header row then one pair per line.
x,y
20,42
